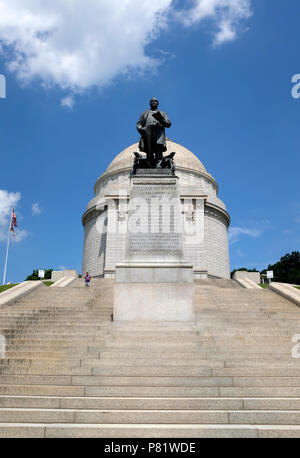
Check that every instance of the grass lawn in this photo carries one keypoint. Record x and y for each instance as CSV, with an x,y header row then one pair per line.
x,y
264,285
297,287
48,283
5,287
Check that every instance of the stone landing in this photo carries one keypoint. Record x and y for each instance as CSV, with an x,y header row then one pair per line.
x,y
154,283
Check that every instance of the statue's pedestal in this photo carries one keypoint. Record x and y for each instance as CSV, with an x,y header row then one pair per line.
x,y
153,283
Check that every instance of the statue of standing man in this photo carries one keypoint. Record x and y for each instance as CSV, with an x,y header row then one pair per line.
x,y
151,126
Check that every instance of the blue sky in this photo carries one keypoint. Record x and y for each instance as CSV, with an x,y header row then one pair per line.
x,y
223,75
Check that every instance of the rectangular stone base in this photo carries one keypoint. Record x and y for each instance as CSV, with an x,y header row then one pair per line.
x,y
154,302
147,272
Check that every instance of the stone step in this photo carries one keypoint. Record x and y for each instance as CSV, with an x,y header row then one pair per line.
x,y
134,403
170,354
195,371
118,403
150,362
259,391
258,310
54,321
207,335
130,417
31,430
55,340
254,371
171,357
50,354
143,327
45,370
261,321
193,347
151,371
173,392
47,362
79,327
41,390
103,334
125,381
199,340
121,391
162,333
67,346
56,333
275,363
53,309
184,381
106,403
100,340
244,333
13,415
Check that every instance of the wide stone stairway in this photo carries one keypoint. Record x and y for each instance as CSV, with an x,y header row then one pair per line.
x,y
66,370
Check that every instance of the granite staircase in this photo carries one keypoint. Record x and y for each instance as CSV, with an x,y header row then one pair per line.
x,y
68,371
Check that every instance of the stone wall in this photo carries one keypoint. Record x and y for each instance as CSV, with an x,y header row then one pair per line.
x,y
94,250
216,244
116,234
193,230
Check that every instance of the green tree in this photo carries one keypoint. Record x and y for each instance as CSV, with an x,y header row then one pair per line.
x,y
287,270
35,275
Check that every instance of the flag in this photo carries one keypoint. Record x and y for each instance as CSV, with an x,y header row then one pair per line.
x,y
13,222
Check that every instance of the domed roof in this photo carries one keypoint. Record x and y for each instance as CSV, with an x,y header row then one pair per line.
x,y
184,158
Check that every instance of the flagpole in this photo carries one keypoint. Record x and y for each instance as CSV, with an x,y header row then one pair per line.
x,y
7,249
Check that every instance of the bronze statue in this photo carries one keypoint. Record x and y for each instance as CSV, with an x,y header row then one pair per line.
x,y
167,162
151,126
136,163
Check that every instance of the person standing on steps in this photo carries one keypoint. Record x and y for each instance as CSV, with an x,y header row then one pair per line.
x,y
87,279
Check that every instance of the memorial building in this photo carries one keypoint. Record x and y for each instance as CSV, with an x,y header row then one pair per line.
x,y
203,218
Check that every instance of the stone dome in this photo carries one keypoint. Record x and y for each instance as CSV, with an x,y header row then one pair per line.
x,y
201,209
184,158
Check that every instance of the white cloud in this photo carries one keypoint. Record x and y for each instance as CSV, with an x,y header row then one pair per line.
x,y
77,45
235,233
8,200
226,14
36,210
68,102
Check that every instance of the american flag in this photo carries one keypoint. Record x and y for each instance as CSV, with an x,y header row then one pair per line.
x,y
13,222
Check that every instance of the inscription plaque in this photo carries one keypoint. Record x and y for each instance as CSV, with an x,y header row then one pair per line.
x,y
154,218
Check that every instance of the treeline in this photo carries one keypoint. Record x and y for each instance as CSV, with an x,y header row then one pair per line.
x,y
287,270
35,275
